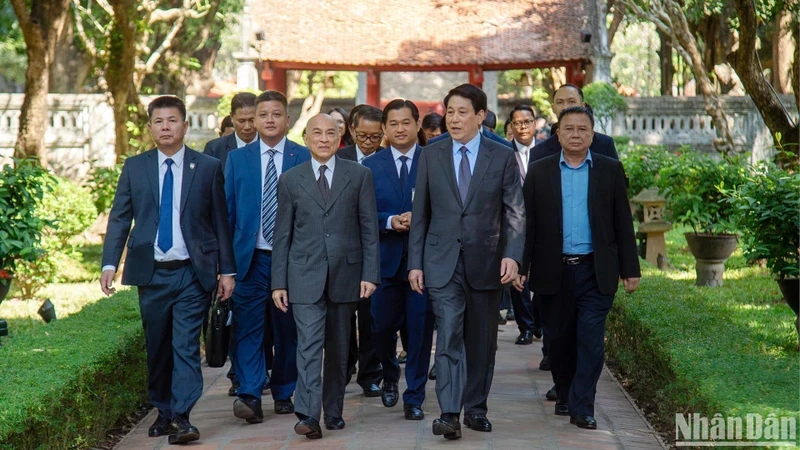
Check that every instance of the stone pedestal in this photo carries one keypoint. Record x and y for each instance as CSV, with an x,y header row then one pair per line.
x,y
654,226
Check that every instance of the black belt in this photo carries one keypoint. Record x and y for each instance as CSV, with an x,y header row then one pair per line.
x,y
573,260
264,252
172,265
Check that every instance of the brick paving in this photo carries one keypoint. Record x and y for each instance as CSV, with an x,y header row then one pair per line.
x,y
521,417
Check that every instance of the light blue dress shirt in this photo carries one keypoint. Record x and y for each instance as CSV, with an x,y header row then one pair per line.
x,y
575,206
472,153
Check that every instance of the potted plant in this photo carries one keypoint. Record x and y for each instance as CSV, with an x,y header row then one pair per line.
x,y
767,211
695,186
22,187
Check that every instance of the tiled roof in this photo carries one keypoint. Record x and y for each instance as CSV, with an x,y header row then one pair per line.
x,y
421,32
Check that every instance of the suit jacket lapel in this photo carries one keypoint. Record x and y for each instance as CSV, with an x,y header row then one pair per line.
x,y
309,183
594,187
555,183
412,176
254,168
152,175
445,150
231,144
484,158
390,168
341,178
188,175
289,156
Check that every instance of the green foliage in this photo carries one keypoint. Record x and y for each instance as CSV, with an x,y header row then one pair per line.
x,y
695,186
67,382
22,187
642,165
684,348
768,215
103,185
224,105
12,49
541,102
636,63
605,101
340,85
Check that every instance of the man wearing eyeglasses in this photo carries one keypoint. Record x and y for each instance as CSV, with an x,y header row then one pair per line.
x,y
365,127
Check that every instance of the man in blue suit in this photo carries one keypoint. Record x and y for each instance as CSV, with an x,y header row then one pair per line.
x,y
251,190
395,304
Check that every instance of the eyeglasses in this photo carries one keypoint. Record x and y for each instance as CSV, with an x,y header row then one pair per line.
x,y
522,124
369,137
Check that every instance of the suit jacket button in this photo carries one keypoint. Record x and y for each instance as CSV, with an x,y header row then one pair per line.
x,y
327,235
327,214
324,258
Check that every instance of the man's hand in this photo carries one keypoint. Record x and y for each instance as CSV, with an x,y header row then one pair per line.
x,y
106,280
508,270
519,283
415,277
630,284
367,289
225,287
281,299
398,225
406,218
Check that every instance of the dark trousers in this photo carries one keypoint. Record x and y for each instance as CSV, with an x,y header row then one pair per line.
x,y
361,349
255,316
395,307
172,308
576,319
268,343
466,343
526,313
323,325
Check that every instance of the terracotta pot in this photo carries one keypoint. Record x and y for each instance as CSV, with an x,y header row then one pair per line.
x,y
711,251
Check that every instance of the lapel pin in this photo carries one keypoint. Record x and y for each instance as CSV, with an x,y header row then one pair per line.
x,y
191,166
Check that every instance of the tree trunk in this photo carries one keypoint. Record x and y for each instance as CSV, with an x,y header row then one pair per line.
x,y
119,73
70,66
782,50
769,105
667,68
601,57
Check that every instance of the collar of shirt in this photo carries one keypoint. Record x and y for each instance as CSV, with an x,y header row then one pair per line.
x,y
524,149
278,148
240,143
472,145
563,162
331,164
359,154
396,154
177,158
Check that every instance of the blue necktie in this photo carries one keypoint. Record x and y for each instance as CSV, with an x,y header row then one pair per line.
x,y
269,199
165,212
403,172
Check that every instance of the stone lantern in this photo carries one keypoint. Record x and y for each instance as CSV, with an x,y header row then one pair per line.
x,y
654,225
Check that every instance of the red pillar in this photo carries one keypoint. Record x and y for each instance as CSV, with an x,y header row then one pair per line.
x,y
274,78
575,73
374,88
476,76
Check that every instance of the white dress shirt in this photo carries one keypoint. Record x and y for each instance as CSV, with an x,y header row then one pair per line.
x,y
523,155
240,143
262,243
396,154
360,156
330,164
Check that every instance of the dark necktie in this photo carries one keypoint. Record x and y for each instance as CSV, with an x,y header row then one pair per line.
x,y
464,175
269,199
322,182
165,210
403,172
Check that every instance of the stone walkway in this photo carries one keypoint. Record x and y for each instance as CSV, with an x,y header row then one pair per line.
x,y
521,418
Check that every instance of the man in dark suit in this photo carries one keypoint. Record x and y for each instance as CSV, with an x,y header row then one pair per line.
x,y
365,127
579,242
564,97
180,244
243,114
395,306
326,258
251,188
467,237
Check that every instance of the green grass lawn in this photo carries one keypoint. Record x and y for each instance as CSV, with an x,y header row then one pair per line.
x,y
683,348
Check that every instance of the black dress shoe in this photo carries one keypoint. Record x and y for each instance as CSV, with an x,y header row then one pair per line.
x,y
413,412
545,363
389,394
587,422
372,390
525,338
500,319
284,406
551,395
477,422
432,373
510,316
161,427
183,431
447,425
562,409
403,357
334,423
308,427
537,332
233,391
248,408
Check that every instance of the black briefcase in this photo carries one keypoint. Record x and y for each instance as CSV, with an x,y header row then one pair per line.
x,y
218,334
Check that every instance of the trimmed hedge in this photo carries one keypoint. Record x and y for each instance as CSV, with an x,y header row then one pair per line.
x,y
64,384
688,349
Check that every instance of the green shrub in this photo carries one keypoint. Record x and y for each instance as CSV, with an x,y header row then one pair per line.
x,y
66,383
103,186
642,165
605,101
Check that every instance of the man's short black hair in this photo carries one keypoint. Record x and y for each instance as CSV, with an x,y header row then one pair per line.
x,y
431,121
522,107
273,96
490,120
242,100
576,110
167,101
399,103
470,92
365,112
569,85
227,122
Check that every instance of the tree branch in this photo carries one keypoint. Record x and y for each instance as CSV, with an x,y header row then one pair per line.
x,y
165,45
168,15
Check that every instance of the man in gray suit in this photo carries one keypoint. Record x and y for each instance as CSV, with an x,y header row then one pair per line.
x,y
467,236
180,243
325,258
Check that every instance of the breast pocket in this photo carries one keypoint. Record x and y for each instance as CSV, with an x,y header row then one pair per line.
x,y
494,174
